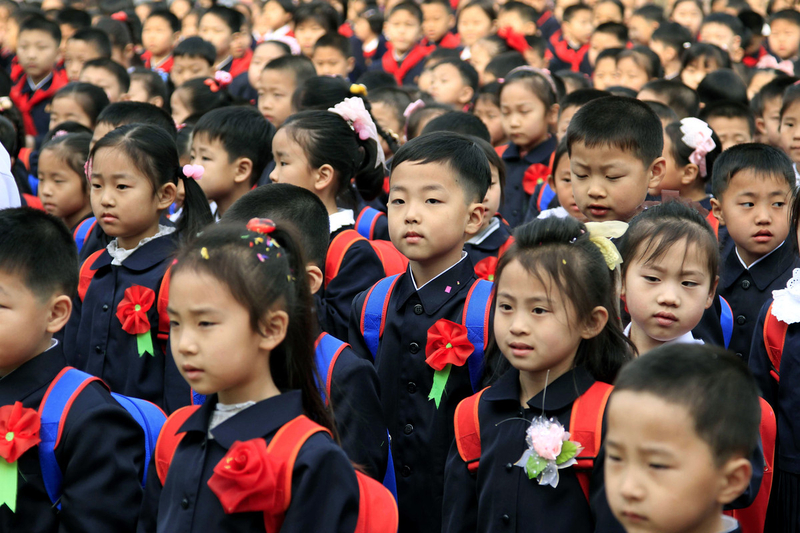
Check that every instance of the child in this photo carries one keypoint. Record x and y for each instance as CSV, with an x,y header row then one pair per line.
x,y
134,173
312,21
160,33
560,181
668,42
190,23
699,408
552,325
674,94
37,51
404,54
725,31
437,185
733,122
418,118
218,26
438,22
476,20
79,102
454,83
63,188
570,45
605,73
644,22
278,82
499,67
784,36
245,85
85,45
638,66
122,113
483,51
670,261
69,21
100,451
519,17
332,56
689,14
752,186
701,59
766,106
487,108
387,107
233,145
147,86
790,125
275,20
606,36
108,75
570,105
529,105
192,58
608,11
198,96
119,33
613,169
368,28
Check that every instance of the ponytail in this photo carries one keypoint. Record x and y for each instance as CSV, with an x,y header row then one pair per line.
x,y
196,213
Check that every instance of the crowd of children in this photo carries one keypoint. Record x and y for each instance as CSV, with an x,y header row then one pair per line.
x,y
399,265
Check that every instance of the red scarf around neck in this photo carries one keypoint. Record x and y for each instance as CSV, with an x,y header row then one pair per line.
x,y
565,53
411,60
25,102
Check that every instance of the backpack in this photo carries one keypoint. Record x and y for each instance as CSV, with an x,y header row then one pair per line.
x,y
82,231
390,257
53,411
377,512
585,426
327,350
475,318
726,320
774,338
366,220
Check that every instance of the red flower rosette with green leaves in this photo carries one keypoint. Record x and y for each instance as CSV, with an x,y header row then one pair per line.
x,y
486,268
447,345
19,432
132,314
536,174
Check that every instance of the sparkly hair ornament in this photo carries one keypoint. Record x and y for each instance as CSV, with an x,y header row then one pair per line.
x,y
223,78
360,121
120,16
262,227
358,89
697,135
601,233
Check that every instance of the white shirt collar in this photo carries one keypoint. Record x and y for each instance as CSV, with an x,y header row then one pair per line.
x,y
757,261
463,255
118,255
686,338
37,86
342,218
484,234
729,524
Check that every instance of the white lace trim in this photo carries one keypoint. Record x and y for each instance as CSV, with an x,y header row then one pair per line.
x,y
119,255
786,304
224,412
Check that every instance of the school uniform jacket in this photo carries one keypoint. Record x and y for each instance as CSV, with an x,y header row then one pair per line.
x,y
33,104
490,246
101,455
421,433
324,497
408,69
240,88
96,343
500,497
516,200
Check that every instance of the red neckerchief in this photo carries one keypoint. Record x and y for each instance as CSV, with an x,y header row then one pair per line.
x,y
544,18
751,60
16,70
567,54
26,102
450,40
241,64
412,59
164,66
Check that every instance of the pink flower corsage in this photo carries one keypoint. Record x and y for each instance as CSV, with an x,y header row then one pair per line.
x,y
354,112
223,78
549,450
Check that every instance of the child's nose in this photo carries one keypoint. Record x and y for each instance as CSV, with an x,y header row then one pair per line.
x,y
629,485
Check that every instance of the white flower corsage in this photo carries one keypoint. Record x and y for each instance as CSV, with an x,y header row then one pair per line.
x,y
549,450
786,302
601,233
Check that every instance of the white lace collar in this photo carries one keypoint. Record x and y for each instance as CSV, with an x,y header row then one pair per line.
x,y
118,255
786,304
342,218
686,338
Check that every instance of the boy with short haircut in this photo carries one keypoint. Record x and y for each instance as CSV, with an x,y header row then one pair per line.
x,y
108,75
613,168
520,17
694,412
438,22
160,33
753,186
538,54
192,58
85,45
147,86
673,93
766,106
607,35
668,42
570,44
312,21
453,170
278,81
725,31
234,145
404,54
69,21
37,52
644,22
333,56
454,83
733,122
122,113
101,449
570,105
784,36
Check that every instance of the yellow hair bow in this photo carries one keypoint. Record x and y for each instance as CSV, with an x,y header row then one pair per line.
x,y
601,233
358,89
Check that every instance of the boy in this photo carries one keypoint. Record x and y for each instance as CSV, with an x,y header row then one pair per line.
x,y
605,69
83,46
37,51
520,17
453,170
122,113
108,75
570,105
668,42
192,58
644,22
766,106
101,451
725,31
570,45
69,21
333,56
438,22
607,35
388,105
454,83
784,36
681,99
312,21
147,86
278,81
160,33
753,186
275,20
405,54
691,414
613,168
234,145
733,122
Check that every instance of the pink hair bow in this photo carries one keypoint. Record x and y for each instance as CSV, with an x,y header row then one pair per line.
x,y
193,171
223,78
120,16
413,106
354,112
769,61
697,134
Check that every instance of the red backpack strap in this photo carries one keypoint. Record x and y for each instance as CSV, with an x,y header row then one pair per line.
x,y
169,439
586,427
505,246
87,273
468,430
774,337
377,508
392,260
161,306
337,250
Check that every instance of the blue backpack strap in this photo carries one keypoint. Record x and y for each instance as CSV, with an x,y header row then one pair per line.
x,y
365,224
726,320
373,313
82,231
546,196
326,350
476,320
150,417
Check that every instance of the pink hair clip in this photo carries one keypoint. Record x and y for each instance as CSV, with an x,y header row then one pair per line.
x,y
193,171
263,226
543,72
212,85
223,78
87,169
120,16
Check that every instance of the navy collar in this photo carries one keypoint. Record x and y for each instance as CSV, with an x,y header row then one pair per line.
x,y
537,155
765,272
149,255
560,393
32,376
438,291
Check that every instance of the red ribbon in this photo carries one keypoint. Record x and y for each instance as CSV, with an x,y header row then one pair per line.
x,y
567,54
19,431
447,344
486,268
26,102
417,54
132,310
248,479
514,40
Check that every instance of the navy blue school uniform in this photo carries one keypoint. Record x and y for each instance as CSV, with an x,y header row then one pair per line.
x,y
324,497
516,200
96,343
240,88
101,456
490,243
500,497
407,69
364,60
548,25
421,433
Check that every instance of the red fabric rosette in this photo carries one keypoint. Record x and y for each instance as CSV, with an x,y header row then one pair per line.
x,y
486,268
536,174
132,310
19,431
447,345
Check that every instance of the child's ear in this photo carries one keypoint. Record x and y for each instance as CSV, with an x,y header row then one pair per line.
x,y
166,195
273,329
552,116
465,95
761,125
176,38
325,176
712,291
689,174
315,277
716,208
529,28
451,22
351,64
657,170
244,170
60,309
551,181
477,212
157,101
735,476
595,323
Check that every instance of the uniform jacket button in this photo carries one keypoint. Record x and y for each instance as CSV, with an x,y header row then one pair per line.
x,y
413,347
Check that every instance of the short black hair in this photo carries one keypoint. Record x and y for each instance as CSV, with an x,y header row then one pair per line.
x,y
573,10
243,132
153,83
537,43
722,84
443,3
377,79
500,65
637,129
705,52
38,22
580,98
320,12
673,35
287,5
123,113
773,89
789,15
459,122
680,98
456,151
38,248
620,31
468,74
650,12
75,18
117,70
645,59
335,40
232,18
97,38
410,7
300,66
196,47
374,18
574,81
609,53
763,160
730,110
731,22
168,16
664,112
396,98
524,12
715,387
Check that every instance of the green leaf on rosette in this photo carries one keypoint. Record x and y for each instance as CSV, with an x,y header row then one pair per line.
x,y
535,466
568,450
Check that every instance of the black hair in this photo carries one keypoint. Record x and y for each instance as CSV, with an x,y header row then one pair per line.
x,y
417,120
377,79
761,159
468,74
608,53
618,90
412,8
680,98
524,12
580,98
38,248
440,54
650,12
72,149
201,96
443,3
494,45
681,151
153,83
196,47
300,66
91,98
731,22
243,132
490,93
664,112
789,15
714,386
790,96
117,70
537,81
561,150
637,128
458,152
320,12
97,38
374,18
75,18
38,22
396,98
285,48
459,122
119,33
705,52
572,10
645,59
122,113
500,65
153,152
771,90
296,205
673,35
13,115
232,18
337,41
260,286
494,161
617,3
730,110
537,43
574,81
9,138
287,5
167,16
561,249
722,84
620,31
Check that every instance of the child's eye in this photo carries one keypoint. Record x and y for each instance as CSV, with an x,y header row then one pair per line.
x,y
651,279
612,178
122,187
433,201
504,307
397,201
96,186
579,177
779,204
539,310
173,324
690,284
205,324
613,458
658,466
747,204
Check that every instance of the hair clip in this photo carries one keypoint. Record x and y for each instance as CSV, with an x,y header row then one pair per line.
x,y
87,168
60,133
291,42
204,253
193,171
180,126
355,113
412,107
212,85
264,226
223,78
543,72
697,135
358,89
501,81
601,233
120,16
5,103
768,61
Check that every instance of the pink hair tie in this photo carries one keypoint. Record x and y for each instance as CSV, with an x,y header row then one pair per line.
x,y
193,171
697,135
59,133
769,61
120,16
223,78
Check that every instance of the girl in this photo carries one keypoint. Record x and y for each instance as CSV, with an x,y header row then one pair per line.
x,y
790,125
218,26
79,102
476,20
637,66
197,97
556,336
368,28
63,189
761,77
701,59
560,181
689,14
116,331
670,262
248,349
487,108
190,23
529,106
484,50
419,116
